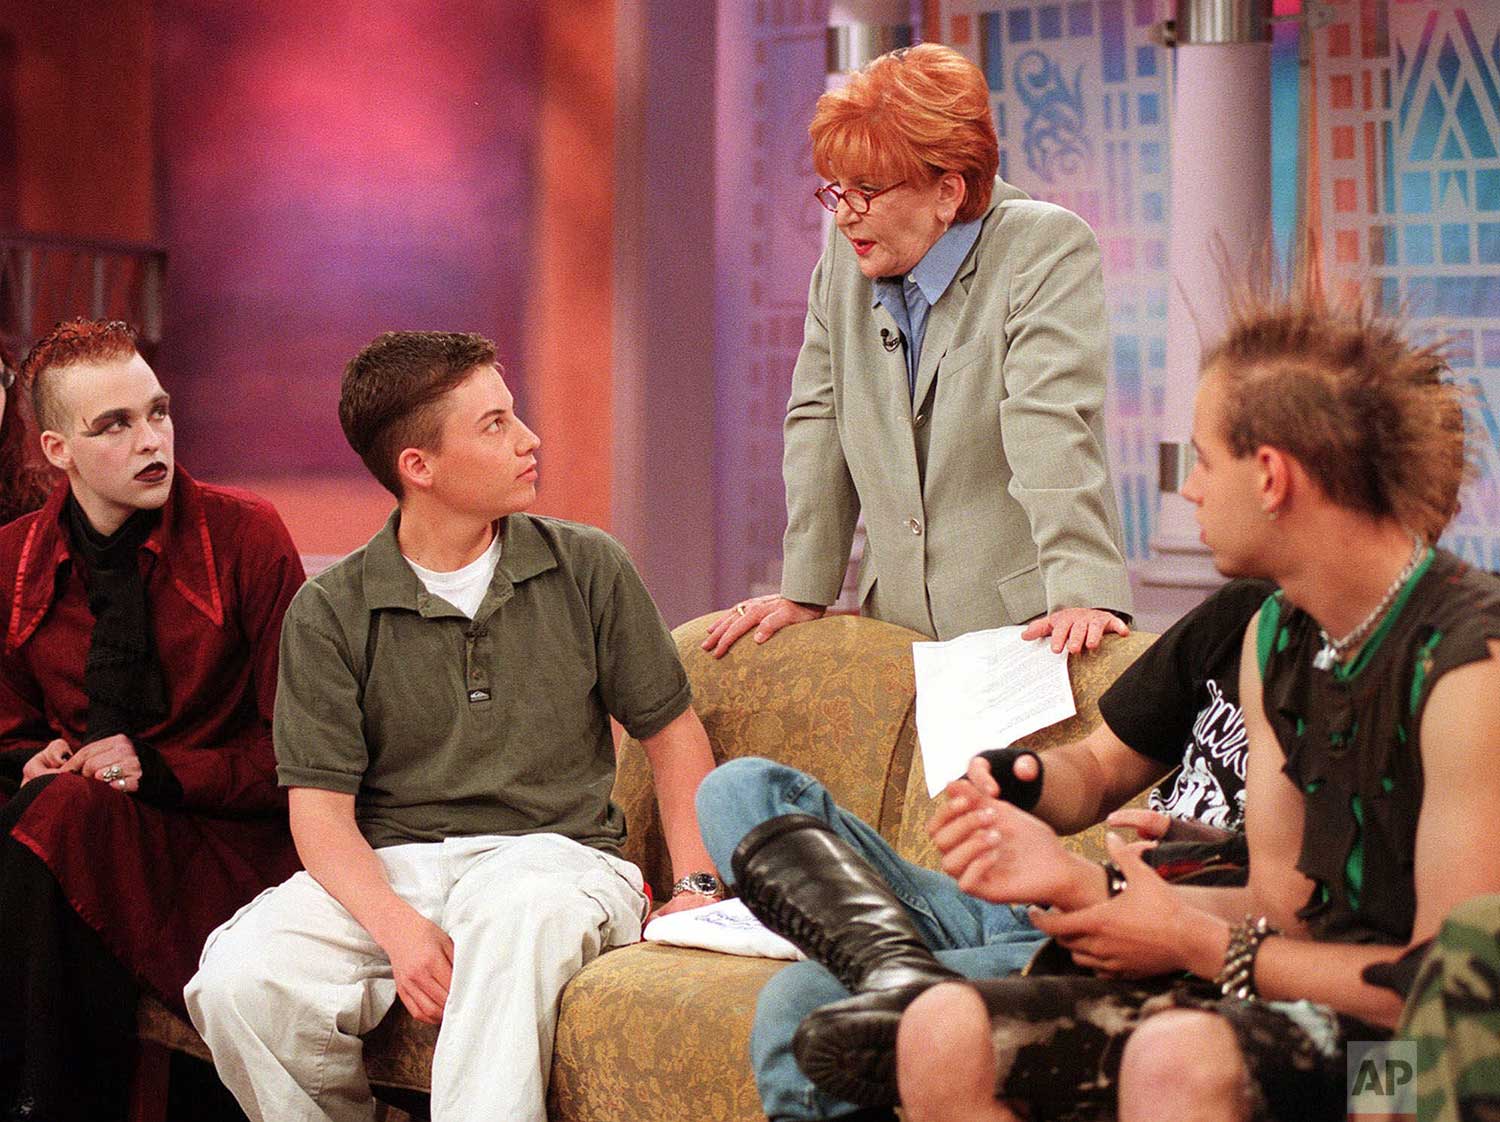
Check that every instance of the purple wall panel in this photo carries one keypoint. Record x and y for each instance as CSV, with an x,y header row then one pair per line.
x,y
327,172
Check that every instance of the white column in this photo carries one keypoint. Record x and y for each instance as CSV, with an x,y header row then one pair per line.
x,y
1221,213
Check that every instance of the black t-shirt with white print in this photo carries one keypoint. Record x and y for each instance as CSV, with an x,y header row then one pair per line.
x,y
1179,703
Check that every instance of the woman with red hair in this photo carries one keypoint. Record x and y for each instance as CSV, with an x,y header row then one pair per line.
x,y
951,381
23,481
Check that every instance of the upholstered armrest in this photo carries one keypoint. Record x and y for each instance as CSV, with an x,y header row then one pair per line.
x,y
832,698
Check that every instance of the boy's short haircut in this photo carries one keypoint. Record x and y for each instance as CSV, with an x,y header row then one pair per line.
x,y
69,343
391,389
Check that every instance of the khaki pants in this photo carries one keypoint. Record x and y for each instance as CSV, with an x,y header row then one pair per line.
x,y
287,986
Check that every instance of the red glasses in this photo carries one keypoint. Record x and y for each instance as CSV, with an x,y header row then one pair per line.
x,y
831,194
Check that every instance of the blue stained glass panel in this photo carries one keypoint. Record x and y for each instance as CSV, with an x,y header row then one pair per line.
x,y
1425,140
1416,192
1149,108
1487,189
1145,62
1143,513
1449,183
1151,206
1455,236
1128,374
1421,297
991,58
1018,25
1388,148
1390,294
1467,296
1489,243
1490,341
1471,120
1112,39
1151,163
1447,63
1419,245
1049,22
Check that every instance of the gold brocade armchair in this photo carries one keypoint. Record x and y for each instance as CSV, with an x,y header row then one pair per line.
x,y
651,1033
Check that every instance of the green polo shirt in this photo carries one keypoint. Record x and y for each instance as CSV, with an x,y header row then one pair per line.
x,y
442,726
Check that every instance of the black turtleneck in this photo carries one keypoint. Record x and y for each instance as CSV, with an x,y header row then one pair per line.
x,y
122,676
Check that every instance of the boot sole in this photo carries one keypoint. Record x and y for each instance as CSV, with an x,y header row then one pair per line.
x,y
851,1056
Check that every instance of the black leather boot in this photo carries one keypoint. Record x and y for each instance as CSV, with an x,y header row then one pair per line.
x,y
807,884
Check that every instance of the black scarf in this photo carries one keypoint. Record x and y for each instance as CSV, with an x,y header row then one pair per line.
x,y
122,677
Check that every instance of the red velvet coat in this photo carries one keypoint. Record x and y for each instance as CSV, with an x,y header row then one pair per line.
x,y
220,569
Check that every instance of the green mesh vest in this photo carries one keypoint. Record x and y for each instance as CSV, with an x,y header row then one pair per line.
x,y
1352,740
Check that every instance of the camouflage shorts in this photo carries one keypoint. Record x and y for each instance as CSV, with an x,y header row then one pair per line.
x,y
1059,1040
1453,1016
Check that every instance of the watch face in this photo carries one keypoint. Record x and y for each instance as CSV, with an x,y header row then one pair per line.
x,y
705,884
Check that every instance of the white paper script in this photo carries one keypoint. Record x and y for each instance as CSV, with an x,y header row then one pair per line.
x,y
983,690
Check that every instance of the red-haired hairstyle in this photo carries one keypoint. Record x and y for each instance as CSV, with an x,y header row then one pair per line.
x,y
1368,414
23,478
67,344
911,114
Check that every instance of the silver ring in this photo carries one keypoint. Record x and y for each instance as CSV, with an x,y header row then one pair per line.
x,y
111,773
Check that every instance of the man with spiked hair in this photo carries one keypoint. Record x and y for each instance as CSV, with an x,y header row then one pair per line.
x,y
1329,456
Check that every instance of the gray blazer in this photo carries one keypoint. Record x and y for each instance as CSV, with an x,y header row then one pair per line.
x,y
987,497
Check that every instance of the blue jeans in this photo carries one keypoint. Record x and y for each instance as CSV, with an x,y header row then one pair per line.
x,y
975,938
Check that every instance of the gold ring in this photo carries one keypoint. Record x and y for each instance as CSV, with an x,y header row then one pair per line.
x,y
739,609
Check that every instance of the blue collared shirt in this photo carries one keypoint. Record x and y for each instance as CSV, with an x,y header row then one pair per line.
x,y
911,297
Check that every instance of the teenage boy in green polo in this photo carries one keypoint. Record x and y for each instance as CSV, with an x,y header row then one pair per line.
x,y
443,724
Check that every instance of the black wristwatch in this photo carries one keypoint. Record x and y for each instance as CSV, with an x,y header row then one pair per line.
x,y
701,884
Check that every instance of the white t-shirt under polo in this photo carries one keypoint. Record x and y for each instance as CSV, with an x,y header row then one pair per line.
x,y
463,588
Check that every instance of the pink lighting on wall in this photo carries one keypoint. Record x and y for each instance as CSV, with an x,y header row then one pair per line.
x,y
327,172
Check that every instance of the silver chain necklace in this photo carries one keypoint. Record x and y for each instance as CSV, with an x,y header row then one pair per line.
x,y
1334,649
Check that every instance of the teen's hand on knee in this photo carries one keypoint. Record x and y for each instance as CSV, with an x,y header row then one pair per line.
x,y
421,957
1074,629
1147,929
1151,825
765,615
111,760
47,761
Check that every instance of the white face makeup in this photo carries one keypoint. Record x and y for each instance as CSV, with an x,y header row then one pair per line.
x,y
116,440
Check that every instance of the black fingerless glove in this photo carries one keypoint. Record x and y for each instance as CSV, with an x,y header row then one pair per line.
x,y
1018,792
